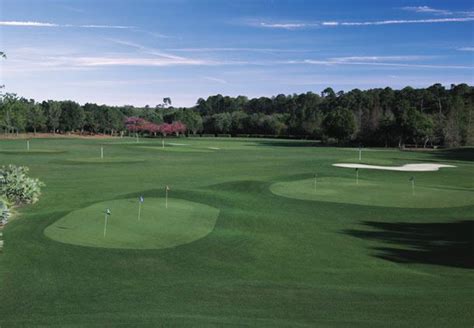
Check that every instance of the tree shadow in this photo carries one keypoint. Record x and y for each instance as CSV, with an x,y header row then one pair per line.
x,y
458,154
448,244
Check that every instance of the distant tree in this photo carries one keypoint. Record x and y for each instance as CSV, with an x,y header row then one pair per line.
x,y
36,119
52,112
72,116
339,124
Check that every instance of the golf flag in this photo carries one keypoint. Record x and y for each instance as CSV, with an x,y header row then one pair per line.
x,y
167,188
107,214
412,179
141,199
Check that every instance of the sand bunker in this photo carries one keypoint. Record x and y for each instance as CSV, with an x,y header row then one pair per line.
x,y
213,148
177,144
407,167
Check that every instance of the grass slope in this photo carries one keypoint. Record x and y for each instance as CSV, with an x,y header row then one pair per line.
x,y
270,261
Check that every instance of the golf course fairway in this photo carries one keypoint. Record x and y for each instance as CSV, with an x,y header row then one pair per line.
x,y
158,227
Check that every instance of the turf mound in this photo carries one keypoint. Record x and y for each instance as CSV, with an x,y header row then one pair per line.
x,y
112,160
159,227
373,193
36,151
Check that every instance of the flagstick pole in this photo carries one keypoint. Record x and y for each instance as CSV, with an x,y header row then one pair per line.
x,y
360,154
139,209
166,198
413,187
27,145
105,225
357,177
101,152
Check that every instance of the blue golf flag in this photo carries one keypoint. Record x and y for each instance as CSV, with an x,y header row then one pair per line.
x,y
141,199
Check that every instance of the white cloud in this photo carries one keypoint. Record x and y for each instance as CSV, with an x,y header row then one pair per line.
x,y
286,26
215,79
46,24
402,21
466,49
376,63
27,24
428,10
379,58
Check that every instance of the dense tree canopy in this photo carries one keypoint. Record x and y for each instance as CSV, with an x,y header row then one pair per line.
x,y
432,116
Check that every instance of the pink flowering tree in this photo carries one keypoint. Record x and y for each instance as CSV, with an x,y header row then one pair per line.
x,y
134,124
178,127
151,128
165,129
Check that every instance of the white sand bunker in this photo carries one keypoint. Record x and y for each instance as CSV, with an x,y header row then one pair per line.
x,y
213,148
176,144
407,167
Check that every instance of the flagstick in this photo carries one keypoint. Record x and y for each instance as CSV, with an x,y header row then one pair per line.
x,y
360,154
166,198
357,176
105,225
139,209
413,187
101,152
27,145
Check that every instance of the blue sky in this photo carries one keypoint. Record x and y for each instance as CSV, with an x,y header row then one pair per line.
x,y
137,52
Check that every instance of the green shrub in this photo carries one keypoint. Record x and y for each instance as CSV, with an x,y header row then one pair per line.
x,y
17,187
4,212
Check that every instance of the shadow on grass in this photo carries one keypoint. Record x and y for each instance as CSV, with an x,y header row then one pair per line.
x,y
448,244
458,154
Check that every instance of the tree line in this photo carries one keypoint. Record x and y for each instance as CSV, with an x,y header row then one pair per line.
x,y
380,117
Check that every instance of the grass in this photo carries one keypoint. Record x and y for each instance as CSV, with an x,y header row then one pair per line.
x,y
270,261
158,227
387,192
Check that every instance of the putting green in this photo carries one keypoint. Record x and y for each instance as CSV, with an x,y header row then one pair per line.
x,y
159,227
177,149
373,193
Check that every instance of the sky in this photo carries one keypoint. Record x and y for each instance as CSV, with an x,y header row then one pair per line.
x,y
137,52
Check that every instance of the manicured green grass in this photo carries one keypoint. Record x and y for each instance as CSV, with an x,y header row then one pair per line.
x,y
157,227
384,192
269,261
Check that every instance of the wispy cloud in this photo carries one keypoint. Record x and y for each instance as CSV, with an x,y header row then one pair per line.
x,y
376,63
466,49
47,24
27,24
286,26
238,50
379,58
401,21
215,79
428,10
